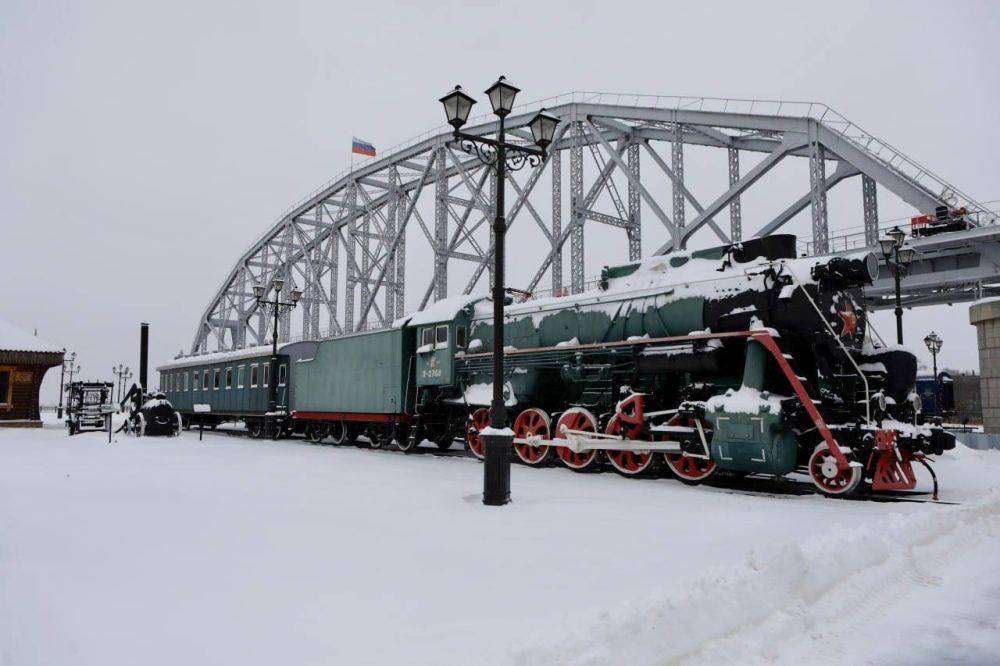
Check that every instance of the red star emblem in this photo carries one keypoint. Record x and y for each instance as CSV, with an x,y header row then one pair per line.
x,y
850,319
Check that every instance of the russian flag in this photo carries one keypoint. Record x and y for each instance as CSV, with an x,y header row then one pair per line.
x,y
361,147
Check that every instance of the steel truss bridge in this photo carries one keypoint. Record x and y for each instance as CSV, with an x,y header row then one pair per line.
x,y
345,245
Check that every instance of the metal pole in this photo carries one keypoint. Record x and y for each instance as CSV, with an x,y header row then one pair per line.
x,y
62,375
899,307
496,465
498,414
272,403
937,388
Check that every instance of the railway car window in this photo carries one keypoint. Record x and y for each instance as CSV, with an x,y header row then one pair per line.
x,y
282,369
239,377
267,375
204,380
195,380
253,376
460,337
229,378
441,336
215,380
428,337
185,376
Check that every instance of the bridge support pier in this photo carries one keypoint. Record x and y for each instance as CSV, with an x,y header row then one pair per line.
x,y
985,316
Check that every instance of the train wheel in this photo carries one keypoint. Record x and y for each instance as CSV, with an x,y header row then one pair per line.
x,y
317,432
689,469
576,418
479,420
444,442
830,480
532,422
628,463
337,432
256,429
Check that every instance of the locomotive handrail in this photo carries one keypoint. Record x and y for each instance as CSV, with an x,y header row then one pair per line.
x,y
798,283
618,343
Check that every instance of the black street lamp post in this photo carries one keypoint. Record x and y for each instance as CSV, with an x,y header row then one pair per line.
x,y
934,343
898,258
62,375
502,157
71,370
277,306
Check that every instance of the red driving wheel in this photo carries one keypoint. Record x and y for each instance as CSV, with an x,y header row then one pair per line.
x,y
688,468
478,421
532,422
576,418
628,463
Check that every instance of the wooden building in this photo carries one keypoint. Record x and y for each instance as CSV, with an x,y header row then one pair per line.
x,y
24,360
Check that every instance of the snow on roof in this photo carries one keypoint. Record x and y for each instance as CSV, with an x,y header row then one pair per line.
x,y
445,309
13,338
220,357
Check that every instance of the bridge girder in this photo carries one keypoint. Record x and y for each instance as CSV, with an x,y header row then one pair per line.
x,y
345,245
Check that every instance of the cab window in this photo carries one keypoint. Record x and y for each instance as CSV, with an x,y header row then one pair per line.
x,y
428,337
441,336
282,370
460,337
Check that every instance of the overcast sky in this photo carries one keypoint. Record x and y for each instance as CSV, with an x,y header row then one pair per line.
x,y
144,146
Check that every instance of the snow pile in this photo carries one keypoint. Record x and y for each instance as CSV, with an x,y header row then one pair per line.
x,y
482,394
778,588
572,342
745,401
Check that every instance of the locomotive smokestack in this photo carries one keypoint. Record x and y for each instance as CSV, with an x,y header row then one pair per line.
x,y
143,353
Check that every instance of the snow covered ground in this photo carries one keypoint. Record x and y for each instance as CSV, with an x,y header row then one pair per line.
x,y
232,551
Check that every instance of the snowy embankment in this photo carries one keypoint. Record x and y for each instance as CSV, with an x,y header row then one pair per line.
x,y
167,551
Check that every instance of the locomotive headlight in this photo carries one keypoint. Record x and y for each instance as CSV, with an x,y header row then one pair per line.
x,y
871,265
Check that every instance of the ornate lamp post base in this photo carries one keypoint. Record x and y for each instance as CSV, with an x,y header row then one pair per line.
x,y
496,466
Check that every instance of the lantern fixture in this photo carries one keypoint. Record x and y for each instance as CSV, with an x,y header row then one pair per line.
x,y
905,255
543,128
502,96
457,106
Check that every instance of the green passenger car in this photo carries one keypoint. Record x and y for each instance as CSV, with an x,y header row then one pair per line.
x,y
225,386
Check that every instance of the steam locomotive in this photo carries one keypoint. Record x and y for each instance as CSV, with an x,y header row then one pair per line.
x,y
735,360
